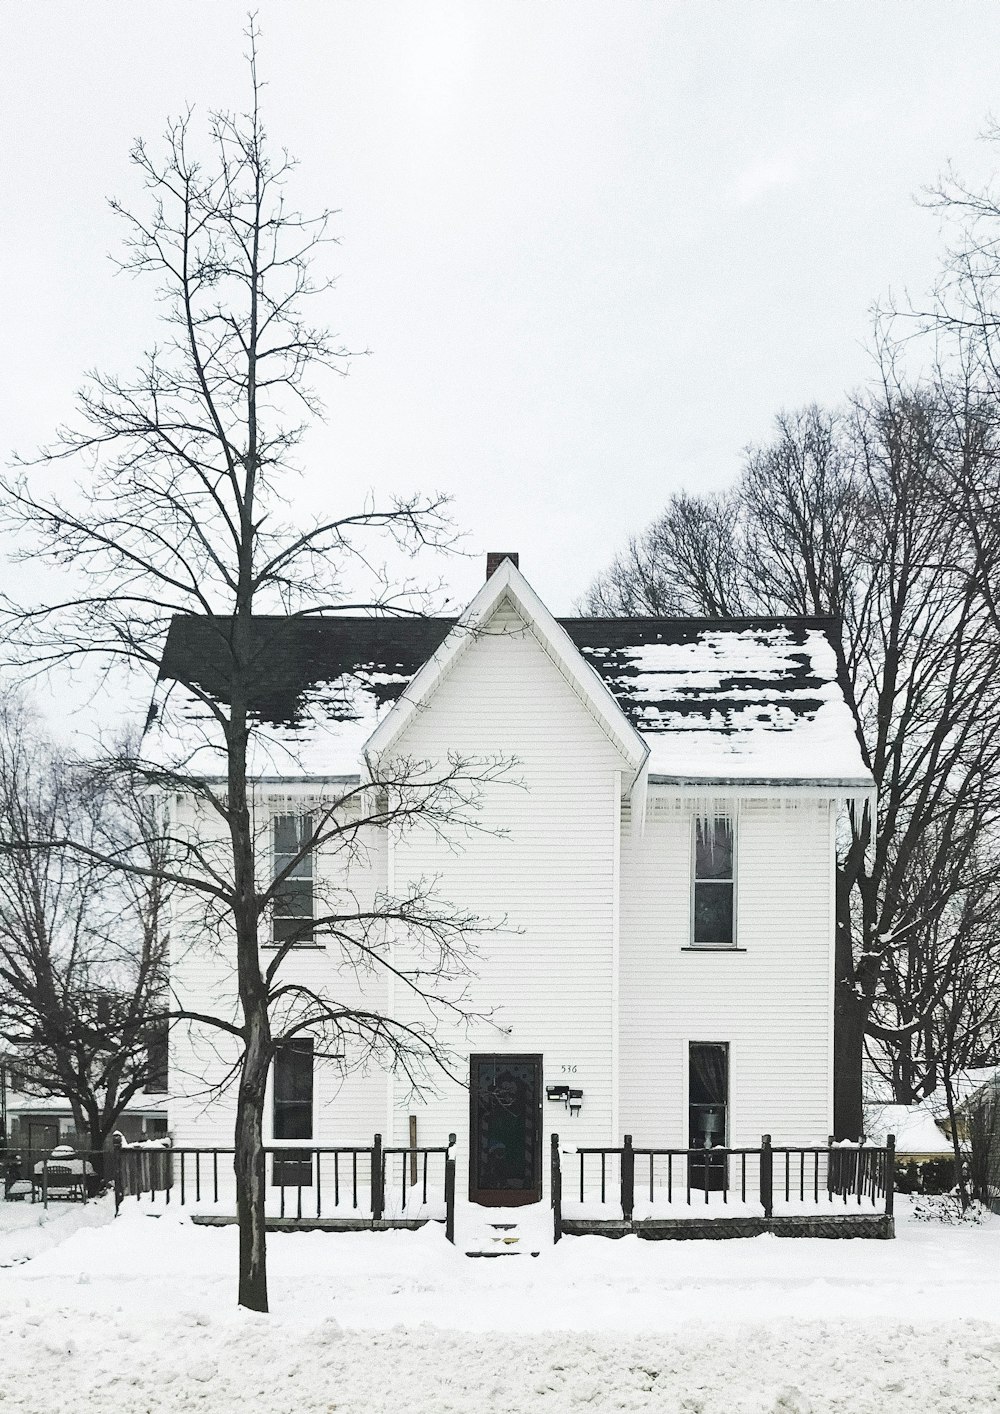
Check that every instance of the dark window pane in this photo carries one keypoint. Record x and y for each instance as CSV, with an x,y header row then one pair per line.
x,y
292,1170
293,903
293,1094
292,1121
713,913
709,1074
708,1092
713,849
287,834
294,898
293,1076
156,1059
291,930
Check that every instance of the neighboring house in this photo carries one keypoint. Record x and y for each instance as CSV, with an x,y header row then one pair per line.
x,y
665,870
36,1122
921,1137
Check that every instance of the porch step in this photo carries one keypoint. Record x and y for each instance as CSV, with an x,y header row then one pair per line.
x,y
501,1240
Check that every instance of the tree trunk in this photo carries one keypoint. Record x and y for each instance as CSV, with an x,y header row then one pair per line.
x,y
95,1141
249,1164
960,1183
903,1087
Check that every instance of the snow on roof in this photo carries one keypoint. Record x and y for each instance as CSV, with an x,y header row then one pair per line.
x,y
319,688
715,700
914,1126
738,700
965,1084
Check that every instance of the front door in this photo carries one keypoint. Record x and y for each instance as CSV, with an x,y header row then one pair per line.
x,y
505,1165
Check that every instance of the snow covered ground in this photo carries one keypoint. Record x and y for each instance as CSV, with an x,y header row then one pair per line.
x,y
137,1314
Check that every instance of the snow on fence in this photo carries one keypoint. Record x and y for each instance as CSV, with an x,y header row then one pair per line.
x,y
348,1186
613,1189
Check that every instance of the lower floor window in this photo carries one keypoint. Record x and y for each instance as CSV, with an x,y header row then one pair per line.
x,y
708,1110
293,1112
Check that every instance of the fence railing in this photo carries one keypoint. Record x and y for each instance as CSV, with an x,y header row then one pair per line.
x,y
645,1182
365,1183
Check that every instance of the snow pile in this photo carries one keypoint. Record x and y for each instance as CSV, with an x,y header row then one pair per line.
x,y
139,1316
27,1229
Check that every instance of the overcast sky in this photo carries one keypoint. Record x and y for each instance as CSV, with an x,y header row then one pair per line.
x,y
593,247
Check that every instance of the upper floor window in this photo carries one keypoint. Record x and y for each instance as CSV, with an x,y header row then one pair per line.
x,y
714,877
292,915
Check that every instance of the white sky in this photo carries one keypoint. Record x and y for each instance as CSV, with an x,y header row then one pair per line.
x,y
594,247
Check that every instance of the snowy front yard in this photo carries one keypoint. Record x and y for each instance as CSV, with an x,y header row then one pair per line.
x,y
137,1314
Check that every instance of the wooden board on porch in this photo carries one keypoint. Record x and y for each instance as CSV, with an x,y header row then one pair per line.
x,y
871,1225
320,1224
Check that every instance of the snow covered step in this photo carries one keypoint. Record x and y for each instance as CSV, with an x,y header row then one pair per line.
x,y
499,1240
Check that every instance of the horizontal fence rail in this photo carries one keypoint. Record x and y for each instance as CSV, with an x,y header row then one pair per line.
x,y
630,1183
360,1185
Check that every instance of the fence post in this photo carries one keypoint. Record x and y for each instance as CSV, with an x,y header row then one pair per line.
x,y
556,1186
766,1176
45,1182
413,1151
449,1190
628,1179
377,1179
116,1165
890,1173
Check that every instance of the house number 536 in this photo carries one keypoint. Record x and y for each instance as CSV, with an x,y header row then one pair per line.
x,y
568,1069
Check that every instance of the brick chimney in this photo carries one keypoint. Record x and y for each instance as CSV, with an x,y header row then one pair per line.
x,y
495,558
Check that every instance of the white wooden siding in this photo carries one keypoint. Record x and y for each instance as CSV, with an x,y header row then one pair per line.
x,y
555,851
771,1001
547,976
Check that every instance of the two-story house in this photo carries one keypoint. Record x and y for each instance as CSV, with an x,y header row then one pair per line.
x,y
660,866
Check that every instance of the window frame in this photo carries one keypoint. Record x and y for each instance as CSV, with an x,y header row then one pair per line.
x,y
303,820
693,944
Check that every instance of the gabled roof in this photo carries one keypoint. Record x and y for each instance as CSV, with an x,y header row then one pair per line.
x,y
713,700
508,585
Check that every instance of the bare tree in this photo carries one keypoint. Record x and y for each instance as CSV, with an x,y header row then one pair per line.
x,y
186,511
847,515
82,946
964,1028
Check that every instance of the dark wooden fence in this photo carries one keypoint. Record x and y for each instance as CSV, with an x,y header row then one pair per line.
x,y
361,1186
830,1179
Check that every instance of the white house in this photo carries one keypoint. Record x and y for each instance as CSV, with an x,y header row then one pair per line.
x,y
664,870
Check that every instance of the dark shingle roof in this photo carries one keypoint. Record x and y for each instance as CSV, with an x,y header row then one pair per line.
x,y
658,669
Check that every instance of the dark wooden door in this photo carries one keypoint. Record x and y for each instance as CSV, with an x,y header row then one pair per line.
x,y
505,1141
